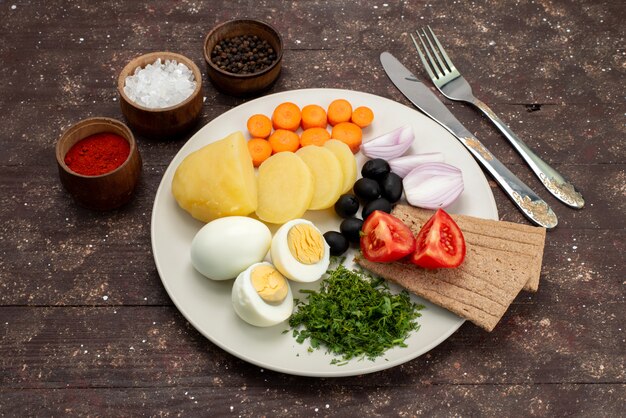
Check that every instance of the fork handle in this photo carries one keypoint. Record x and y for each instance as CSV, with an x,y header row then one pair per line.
x,y
551,179
531,205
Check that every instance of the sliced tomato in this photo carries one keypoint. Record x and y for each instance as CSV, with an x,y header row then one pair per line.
x,y
385,238
440,243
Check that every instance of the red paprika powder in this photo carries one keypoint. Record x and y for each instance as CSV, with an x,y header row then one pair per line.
x,y
97,154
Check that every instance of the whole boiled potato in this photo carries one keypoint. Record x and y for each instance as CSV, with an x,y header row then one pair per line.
x,y
217,180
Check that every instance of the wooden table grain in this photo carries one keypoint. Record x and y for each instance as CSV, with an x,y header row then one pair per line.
x,y
86,327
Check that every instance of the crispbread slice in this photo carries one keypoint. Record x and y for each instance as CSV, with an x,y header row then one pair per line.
x,y
501,258
525,243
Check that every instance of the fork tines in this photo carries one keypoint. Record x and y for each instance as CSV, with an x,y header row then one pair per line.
x,y
438,64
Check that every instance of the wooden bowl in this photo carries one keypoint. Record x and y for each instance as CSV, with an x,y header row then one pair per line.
x,y
243,84
106,191
166,122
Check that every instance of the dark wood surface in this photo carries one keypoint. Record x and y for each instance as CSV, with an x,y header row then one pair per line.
x,y
86,327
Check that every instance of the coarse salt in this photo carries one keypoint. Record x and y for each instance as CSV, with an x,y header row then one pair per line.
x,y
160,84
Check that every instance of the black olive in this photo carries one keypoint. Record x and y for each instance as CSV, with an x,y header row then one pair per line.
x,y
337,242
378,204
351,229
366,189
391,187
347,205
375,169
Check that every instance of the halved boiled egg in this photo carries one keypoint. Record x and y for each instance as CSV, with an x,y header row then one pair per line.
x,y
261,296
299,251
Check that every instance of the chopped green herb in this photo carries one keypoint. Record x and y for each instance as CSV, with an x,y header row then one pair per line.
x,y
354,315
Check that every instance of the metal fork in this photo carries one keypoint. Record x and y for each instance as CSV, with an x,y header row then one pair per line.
x,y
451,84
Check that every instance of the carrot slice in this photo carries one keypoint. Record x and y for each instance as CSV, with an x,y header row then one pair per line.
x,y
286,116
313,116
314,136
339,111
362,116
348,133
259,149
284,140
259,126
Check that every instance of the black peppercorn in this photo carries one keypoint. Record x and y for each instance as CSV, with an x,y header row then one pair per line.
x,y
243,54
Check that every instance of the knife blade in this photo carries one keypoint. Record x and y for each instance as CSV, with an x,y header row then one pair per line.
x,y
531,205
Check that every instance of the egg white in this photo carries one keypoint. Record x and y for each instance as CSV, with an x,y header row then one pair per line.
x,y
252,308
288,265
225,247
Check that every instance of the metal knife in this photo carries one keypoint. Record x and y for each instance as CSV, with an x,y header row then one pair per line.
x,y
531,205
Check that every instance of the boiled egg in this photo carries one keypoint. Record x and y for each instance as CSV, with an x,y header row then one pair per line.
x,y
261,296
299,251
225,247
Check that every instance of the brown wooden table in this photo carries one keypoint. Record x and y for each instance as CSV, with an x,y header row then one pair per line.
x,y
86,327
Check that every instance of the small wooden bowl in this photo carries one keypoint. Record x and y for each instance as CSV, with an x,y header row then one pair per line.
x,y
243,84
106,191
166,122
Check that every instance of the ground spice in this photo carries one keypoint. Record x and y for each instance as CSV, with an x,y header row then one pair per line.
x,y
97,154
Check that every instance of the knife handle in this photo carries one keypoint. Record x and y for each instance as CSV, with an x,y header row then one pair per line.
x,y
531,205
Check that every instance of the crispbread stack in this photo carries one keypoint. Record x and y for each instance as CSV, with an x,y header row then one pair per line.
x,y
502,258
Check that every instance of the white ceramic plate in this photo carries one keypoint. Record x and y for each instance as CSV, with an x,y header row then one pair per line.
x,y
206,304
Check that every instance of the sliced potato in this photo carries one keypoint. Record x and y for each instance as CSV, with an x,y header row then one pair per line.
x,y
217,180
286,187
346,159
327,175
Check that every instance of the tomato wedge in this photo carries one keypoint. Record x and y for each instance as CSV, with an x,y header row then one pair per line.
x,y
440,243
385,238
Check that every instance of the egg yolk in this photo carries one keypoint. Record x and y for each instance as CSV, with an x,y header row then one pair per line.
x,y
269,284
305,243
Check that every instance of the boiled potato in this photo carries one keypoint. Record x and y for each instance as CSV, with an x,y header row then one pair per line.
x,y
327,175
285,188
346,159
217,180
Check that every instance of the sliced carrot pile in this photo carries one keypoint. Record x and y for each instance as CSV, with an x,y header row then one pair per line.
x,y
362,116
348,133
259,149
286,116
259,126
313,116
284,140
339,110
314,136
